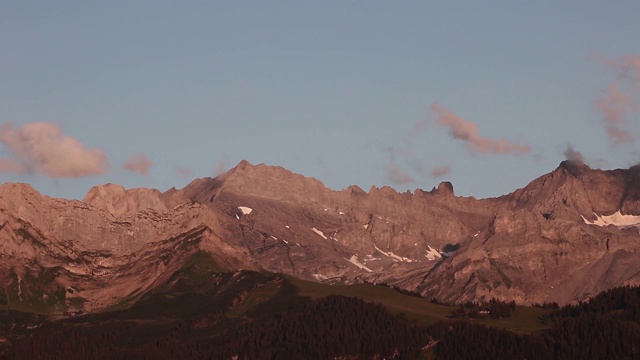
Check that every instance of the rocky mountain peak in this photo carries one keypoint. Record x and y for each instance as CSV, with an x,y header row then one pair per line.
x,y
445,188
273,182
525,246
573,190
354,191
17,190
243,165
22,198
108,189
574,167
116,200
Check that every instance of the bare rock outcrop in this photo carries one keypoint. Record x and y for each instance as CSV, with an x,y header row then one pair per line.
x,y
565,236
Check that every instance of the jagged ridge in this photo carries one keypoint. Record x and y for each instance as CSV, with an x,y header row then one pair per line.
x,y
537,244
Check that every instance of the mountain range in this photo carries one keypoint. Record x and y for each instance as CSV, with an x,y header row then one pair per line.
x,y
564,237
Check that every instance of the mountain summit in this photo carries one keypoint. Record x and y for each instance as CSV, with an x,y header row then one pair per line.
x,y
567,235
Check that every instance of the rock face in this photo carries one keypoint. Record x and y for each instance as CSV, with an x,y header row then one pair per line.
x,y
559,239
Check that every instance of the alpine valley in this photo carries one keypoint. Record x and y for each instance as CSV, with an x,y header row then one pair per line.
x,y
243,248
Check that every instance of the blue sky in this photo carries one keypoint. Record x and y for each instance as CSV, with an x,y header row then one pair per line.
x,y
487,95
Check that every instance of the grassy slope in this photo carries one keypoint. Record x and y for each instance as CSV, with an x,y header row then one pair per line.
x,y
419,310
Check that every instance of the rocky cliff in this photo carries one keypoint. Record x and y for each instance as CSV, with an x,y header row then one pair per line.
x,y
565,236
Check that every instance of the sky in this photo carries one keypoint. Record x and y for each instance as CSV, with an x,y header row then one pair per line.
x,y
487,95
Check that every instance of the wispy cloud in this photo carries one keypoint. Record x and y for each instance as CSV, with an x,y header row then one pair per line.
x,y
220,168
619,101
396,154
572,154
419,128
183,171
615,107
440,171
397,176
11,166
405,162
138,163
467,131
627,66
41,147
223,164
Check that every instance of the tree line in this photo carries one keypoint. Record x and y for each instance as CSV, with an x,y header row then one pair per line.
x,y
605,327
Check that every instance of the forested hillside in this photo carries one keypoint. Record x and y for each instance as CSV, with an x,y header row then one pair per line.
x,y
276,323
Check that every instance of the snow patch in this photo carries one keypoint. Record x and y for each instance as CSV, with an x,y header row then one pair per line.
x,y
245,210
318,232
393,256
341,213
615,219
354,260
287,226
19,287
319,277
365,226
432,254
284,241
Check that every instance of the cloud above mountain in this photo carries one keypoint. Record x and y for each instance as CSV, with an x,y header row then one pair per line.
x,y
572,154
41,147
182,171
440,171
467,131
619,103
627,67
11,166
615,106
138,163
397,176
